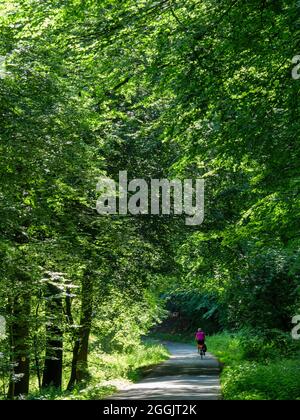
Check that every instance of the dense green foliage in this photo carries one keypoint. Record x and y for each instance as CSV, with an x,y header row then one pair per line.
x,y
257,369
162,89
108,372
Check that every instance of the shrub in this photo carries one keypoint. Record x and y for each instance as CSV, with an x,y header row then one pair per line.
x,y
272,381
262,346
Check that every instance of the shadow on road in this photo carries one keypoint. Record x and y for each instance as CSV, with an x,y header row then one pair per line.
x,y
183,377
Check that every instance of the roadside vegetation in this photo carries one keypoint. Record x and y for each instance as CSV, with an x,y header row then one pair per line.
x,y
257,367
108,372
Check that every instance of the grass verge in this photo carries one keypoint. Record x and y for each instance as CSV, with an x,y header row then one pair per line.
x,y
267,376
109,372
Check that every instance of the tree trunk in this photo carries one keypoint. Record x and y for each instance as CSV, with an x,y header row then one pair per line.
x,y
80,351
52,375
20,347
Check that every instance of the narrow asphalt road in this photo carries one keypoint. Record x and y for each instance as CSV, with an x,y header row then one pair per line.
x,y
183,377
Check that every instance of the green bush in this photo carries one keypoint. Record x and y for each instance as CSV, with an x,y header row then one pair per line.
x,y
273,381
107,371
260,345
226,347
258,366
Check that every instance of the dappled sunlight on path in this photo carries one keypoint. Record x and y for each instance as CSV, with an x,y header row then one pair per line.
x,y
183,377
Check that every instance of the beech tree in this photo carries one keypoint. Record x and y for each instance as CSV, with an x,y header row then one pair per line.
x,y
162,89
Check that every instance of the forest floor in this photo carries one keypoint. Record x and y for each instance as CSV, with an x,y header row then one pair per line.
x,y
184,376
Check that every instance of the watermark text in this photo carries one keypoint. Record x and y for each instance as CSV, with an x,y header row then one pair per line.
x,y
159,196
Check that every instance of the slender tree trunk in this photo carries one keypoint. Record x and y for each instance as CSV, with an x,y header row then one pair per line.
x,y
35,346
52,375
80,351
72,380
20,347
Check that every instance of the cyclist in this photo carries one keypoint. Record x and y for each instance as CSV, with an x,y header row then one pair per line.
x,y
200,338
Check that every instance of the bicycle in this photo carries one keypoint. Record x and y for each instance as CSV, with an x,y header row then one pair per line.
x,y
201,350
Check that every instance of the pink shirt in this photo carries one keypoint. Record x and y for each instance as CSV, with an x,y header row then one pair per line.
x,y
200,335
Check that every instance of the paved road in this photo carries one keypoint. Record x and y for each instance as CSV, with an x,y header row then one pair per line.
x,y
183,377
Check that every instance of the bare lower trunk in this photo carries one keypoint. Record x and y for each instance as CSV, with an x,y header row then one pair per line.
x,y
80,351
52,375
20,348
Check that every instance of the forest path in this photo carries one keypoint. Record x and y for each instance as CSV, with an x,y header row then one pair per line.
x,y
184,376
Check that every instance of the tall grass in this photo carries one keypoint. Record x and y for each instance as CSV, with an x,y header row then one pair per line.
x,y
108,371
256,368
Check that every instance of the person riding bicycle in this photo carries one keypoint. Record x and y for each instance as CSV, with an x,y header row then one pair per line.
x,y
200,338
